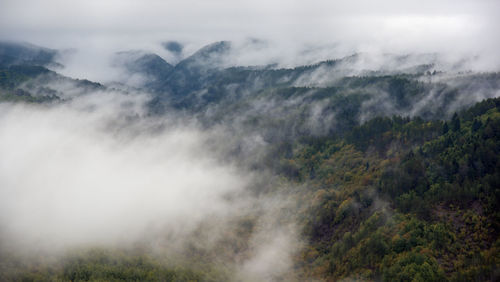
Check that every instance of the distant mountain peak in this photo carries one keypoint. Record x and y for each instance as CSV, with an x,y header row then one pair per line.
x,y
140,61
210,56
173,47
219,48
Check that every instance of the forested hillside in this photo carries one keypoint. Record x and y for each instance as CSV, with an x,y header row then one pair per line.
x,y
399,199
384,175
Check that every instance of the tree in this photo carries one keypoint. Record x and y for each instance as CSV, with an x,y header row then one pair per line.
x,y
445,128
455,123
476,125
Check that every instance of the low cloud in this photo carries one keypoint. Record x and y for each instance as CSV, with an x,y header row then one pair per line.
x,y
97,170
70,175
296,32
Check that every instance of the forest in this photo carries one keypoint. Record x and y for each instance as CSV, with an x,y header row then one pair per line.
x,y
390,176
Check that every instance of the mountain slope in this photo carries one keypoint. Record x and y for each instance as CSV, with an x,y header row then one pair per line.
x,y
394,174
39,84
12,53
398,199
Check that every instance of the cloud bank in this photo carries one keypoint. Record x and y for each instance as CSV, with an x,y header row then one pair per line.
x,y
300,32
97,170
91,172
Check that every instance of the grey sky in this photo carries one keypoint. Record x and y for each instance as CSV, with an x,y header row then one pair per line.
x,y
457,27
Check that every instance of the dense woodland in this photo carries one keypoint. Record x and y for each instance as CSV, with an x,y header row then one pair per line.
x,y
384,195
403,199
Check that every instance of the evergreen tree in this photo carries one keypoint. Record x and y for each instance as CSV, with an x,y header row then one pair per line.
x,y
455,123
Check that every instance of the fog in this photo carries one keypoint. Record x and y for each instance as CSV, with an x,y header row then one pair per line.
x,y
98,171
97,168
66,176
296,32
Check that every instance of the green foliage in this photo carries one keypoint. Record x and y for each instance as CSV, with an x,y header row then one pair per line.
x,y
398,199
106,265
413,267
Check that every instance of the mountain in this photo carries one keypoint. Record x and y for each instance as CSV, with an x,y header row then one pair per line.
x,y
320,99
392,163
173,47
194,72
151,68
414,85
145,63
32,83
13,53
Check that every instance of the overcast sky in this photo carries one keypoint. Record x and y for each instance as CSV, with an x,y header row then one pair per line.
x,y
447,26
